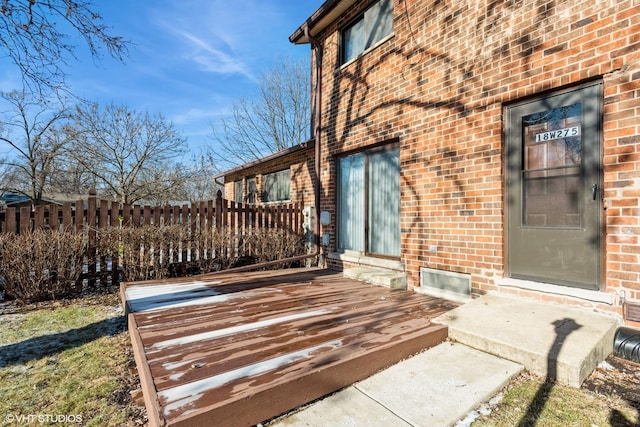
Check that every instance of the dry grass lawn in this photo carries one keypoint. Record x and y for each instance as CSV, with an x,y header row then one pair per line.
x,y
67,361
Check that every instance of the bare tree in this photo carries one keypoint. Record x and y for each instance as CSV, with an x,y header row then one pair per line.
x,y
131,155
69,177
277,118
200,185
36,133
7,180
37,36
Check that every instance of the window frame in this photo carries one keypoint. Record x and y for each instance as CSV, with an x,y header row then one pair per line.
x,y
252,190
366,152
265,193
358,19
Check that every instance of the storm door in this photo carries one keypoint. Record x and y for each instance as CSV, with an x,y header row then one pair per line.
x,y
554,191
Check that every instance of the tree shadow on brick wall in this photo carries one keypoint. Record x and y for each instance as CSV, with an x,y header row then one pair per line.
x,y
351,115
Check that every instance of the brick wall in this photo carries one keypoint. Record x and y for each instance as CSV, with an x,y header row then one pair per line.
x,y
440,85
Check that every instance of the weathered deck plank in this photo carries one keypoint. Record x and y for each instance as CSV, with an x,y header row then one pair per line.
x,y
237,349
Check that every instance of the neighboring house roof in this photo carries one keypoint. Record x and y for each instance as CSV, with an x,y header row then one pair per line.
x,y
15,200
321,18
13,197
283,153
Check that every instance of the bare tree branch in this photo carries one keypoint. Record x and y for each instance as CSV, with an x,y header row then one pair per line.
x,y
37,37
132,156
34,130
277,118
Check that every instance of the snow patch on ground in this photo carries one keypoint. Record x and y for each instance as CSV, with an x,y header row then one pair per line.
x,y
483,410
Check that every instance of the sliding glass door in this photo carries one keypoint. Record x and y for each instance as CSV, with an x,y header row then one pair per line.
x,y
369,202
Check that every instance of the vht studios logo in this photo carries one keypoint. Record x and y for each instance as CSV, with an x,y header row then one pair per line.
x,y
43,418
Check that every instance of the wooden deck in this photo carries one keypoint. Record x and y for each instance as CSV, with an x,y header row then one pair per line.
x,y
238,349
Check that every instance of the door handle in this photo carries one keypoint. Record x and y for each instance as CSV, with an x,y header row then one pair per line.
x,y
594,190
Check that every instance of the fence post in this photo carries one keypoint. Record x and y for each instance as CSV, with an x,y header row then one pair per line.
x,y
126,214
38,217
103,224
25,219
79,216
67,217
10,221
116,258
177,246
137,213
54,223
186,223
146,213
219,210
92,208
157,213
209,229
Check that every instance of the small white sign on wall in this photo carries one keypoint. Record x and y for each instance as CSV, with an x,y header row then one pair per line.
x,y
558,133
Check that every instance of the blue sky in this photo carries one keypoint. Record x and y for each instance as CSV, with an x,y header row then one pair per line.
x,y
191,59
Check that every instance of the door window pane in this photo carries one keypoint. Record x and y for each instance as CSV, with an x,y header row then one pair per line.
x,y
351,203
552,167
384,202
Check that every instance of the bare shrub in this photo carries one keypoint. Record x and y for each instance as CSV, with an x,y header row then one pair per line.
x,y
145,252
229,248
151,252
41,265
272,244
215,249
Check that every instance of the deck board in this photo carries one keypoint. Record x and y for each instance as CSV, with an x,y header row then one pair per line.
x,y
237,349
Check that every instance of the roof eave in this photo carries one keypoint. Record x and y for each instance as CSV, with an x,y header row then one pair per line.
x,y
304,146
321,19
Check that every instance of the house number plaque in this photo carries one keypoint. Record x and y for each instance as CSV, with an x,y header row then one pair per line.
x,y
559,133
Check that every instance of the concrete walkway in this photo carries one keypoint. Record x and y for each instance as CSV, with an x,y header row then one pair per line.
x,y
435,388
440,386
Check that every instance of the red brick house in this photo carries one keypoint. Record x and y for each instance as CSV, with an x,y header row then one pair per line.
x,y
285,176
482,146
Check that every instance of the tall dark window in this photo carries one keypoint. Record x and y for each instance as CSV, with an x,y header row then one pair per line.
x,y
252,190
237,191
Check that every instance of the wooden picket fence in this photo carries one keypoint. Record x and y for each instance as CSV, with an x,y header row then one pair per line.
x,y
96,214
92,216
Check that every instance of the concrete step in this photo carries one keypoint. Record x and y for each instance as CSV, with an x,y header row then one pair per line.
x,y
377,276
561,342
